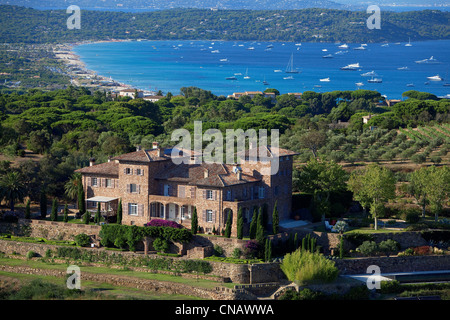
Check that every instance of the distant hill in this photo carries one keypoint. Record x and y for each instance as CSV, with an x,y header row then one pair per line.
x,y
170,4
25,25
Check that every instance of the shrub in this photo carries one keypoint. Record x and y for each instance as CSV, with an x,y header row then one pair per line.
x,y
218,251
357,238
237,253
392,286
389,246
82,240
411,215
31,254
251,250
161,245
368,248
422,250
307,267
48,253
163,223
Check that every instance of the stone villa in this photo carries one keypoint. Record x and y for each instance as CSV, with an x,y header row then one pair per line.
x,y
152,186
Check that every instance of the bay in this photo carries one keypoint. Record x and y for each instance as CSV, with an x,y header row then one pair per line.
x,y
170,65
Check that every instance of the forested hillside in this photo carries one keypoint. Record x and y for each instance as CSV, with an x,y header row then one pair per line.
x,y
18,24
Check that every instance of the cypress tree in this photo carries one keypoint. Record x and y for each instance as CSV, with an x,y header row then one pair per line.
x,y
228,226
295,242
54,212
66,213
28,210
240,224
275,219
97,216
253,225
194,222
43,205
86,217
260,228
81,202
119,212
303,244
268,251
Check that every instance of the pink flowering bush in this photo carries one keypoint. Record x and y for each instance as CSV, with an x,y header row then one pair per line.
x,y
163,223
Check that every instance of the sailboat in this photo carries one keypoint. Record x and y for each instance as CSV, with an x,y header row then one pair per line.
x,y
409,43
246,74
290,66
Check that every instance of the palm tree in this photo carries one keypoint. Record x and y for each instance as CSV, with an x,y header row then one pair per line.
x,y
71,186
12,189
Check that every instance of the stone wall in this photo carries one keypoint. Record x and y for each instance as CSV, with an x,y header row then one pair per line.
x,y
139,283
395,264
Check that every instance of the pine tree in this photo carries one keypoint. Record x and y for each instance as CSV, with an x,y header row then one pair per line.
x,y
228,226
194,222
253,225
54,212
66,214
119,212
43,205
28,210
275,219
260,228
240,224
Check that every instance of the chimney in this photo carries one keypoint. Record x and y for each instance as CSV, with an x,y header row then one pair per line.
x,y
109,159
206,173
239,175
138,148
155,145
91,162
160,152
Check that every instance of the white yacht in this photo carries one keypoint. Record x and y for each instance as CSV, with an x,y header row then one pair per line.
x,y
375,80
325,80
431,60
343,46
352,67
435,78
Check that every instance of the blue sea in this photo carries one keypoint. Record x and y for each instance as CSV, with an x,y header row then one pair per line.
x,y
170,65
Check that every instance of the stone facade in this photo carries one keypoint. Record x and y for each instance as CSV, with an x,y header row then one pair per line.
x,y
152,185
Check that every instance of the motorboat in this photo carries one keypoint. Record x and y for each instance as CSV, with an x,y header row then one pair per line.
x,y
231,78
343,46
325,80
328,56
431,60
370,74
375,80
352,67
435,78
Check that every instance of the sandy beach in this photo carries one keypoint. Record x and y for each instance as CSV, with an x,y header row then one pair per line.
x,y
78,72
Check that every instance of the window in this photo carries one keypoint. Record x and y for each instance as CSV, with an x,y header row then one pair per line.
x,y
185,214
108,183
209,195
133,188
133,209
166,190
128,171
229,195
209,216
261,192
94,182
139,172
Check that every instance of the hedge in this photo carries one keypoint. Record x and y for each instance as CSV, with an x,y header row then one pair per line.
x,y
123,236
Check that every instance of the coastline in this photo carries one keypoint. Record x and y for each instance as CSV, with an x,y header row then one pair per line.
x,y
77,70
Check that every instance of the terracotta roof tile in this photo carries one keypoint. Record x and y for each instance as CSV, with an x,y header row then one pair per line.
x,y
107,168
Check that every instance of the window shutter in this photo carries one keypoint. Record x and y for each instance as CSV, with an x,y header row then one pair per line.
x,y
89,182
215,194
193,192
204,215
142,172
141,210
104,182
139,188
182,191
125,209
214,216
128,188
125,171
204,194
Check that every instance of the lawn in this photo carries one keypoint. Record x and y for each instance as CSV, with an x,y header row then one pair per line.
x,y
201,283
